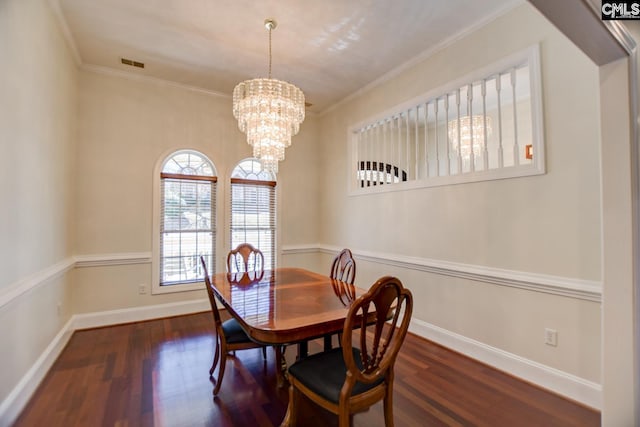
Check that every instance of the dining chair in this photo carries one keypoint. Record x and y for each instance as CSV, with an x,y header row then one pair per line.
x,y
343,268
229,335
350,379
245,257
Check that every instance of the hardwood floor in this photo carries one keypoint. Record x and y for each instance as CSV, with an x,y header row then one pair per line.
x,y
155,373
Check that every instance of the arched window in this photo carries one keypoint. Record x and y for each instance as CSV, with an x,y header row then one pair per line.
x,y
253,208
187,226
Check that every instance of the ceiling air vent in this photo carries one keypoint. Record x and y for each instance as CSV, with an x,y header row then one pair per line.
x,y
132,63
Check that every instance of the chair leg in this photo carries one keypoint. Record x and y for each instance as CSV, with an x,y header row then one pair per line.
x,y
291,417
388,407
216,357
223,362
345,419
264,352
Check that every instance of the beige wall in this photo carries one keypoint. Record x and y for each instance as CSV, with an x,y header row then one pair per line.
x,y
550,224
547,224
126,126
37,136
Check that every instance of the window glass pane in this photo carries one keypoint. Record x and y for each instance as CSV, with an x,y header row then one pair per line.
x,y
187,219
253,209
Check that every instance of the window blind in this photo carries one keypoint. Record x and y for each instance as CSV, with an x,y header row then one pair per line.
x,y
253,216
187,227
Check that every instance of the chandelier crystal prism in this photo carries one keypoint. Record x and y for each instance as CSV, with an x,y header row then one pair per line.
x,y
269,111
473,130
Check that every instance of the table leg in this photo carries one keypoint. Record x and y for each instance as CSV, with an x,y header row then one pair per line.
x,y
327,342
281,365
303,349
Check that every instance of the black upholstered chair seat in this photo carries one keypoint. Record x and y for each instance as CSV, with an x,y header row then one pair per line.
x,y
324,374
233,332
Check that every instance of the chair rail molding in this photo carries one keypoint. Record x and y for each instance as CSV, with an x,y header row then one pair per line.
x,y
24,285
125,258
589,290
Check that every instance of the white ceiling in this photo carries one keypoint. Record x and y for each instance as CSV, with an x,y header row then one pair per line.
x,y
329,48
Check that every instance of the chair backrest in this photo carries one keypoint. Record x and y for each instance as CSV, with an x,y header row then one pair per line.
x,y
245,258
381,316
346,292
344,267
212,298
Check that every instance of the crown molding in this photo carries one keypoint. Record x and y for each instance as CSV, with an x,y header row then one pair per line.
x,y
108,71
66,32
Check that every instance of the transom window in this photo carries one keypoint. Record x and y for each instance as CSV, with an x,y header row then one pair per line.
x,y
187,217
253,208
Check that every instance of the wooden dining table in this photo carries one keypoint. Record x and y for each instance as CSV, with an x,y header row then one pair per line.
x,y
285,305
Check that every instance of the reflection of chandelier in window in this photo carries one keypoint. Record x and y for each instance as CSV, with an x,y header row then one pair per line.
x,y
469,127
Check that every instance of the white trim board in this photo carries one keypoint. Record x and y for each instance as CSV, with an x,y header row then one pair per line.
x,y
138,314
589,290
15,402
22,286
34,280
567,385
126,258
557,381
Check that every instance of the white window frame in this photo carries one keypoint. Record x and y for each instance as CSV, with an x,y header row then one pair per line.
x,y
156,287
531,56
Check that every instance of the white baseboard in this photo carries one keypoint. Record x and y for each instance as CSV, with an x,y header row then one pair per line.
x,y
138,314
570,386
15,402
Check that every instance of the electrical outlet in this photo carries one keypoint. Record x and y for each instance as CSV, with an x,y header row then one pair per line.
x,y
551,337
142,289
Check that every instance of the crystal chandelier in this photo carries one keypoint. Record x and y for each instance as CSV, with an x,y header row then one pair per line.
x,y
469,127
269,111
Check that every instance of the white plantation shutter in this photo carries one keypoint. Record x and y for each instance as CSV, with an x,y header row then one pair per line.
x,y
253,216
